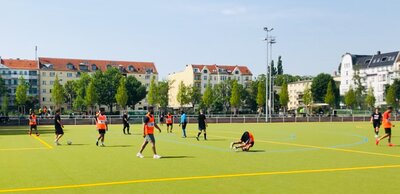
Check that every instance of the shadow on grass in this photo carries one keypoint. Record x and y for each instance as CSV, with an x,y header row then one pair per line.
x,y
175,157
214,139
24,131
119,146
256,151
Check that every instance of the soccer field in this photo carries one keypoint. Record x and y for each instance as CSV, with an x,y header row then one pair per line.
x,y
286,158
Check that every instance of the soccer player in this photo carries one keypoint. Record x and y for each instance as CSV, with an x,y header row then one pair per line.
x,y
101,126
58,127
387,124
148,133
161,119
125,120
245,142
202,125
183,123
376,120
33,123
169,120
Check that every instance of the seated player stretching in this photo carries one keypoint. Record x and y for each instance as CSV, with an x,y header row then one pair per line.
x,y
246,142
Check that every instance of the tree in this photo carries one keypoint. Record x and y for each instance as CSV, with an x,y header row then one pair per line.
x,y
194,94
58,93
122,94
208,97
222,94
235,96
21,93
307,97
182,96
330,95
162,91
5,104
152,93
106,85
284,96
370,99
350,98
273,68
359,89
91,96
279,66
136,91
391,96
261,93
319,87
70,93
79,104
81,84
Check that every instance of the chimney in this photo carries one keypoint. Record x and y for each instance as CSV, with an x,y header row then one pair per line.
x,y
378,53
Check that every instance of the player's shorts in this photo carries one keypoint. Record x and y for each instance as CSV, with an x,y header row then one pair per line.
x,y
33,127
59,131
376,124
126,124
388,131
102,131
169,124
245,137
150,138
202,128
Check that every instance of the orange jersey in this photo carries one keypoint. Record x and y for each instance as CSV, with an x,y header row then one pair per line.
x,y
32,120
149,126
251,137
101,122
168,119
386,120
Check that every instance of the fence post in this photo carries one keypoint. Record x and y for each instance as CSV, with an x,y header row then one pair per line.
x,y
75,120
244,118
319,118
308,119
283,118
230,119
331,118
353,117
216,119
295,119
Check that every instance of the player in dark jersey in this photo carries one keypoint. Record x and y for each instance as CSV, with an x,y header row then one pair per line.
x,y
202,125
376,120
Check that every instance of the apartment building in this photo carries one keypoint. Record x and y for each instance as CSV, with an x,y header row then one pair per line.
x,y
200,75
296,91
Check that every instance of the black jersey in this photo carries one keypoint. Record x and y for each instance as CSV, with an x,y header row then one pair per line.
x,y
376,117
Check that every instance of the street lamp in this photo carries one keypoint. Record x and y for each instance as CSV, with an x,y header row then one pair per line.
x,y
271,91
267,74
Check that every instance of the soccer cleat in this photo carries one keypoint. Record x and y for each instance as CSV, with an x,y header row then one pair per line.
x,y
37,134
156,156
139,155
377,142
390,145
102,145
197,138
231,146
97,143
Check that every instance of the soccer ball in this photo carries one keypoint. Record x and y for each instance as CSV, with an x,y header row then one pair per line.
x,y
69,142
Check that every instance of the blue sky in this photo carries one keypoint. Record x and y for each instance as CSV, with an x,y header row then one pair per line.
x,y
311,35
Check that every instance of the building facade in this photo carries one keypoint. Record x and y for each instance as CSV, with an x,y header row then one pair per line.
x,y
296,91
71,69
201,75
12,69
374,71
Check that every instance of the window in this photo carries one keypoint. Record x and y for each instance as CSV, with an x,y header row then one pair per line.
x,y
69,74
236,72
205,71
44,91
147,77
205,78
15,82
50,91
44,99
25,73
205,85
15,73
70,66
51,82
20,72
384,59
195,70
131,68
43,74
52,74
247,78
94,67
43,82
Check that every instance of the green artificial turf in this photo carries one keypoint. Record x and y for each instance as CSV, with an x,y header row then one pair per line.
x,y
281,161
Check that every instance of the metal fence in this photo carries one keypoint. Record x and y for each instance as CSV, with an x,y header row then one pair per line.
x,y
117,119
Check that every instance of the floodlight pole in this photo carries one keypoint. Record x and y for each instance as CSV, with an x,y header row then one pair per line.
x,y
268,74
271,84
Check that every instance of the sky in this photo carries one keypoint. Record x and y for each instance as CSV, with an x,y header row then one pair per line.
x,y
311,35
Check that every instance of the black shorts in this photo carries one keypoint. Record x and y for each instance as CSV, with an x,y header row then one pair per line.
x,y
170,124
388,131
245,137
202,128
102,131
376,124
126,124
59,131
33,127
184,125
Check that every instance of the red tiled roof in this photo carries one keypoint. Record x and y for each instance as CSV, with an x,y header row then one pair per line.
x,y
213,68
20,64
60,64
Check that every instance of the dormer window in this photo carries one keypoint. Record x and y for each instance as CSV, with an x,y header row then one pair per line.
x,y
131,68
205,71
384,59
70,66
94,67
236,72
